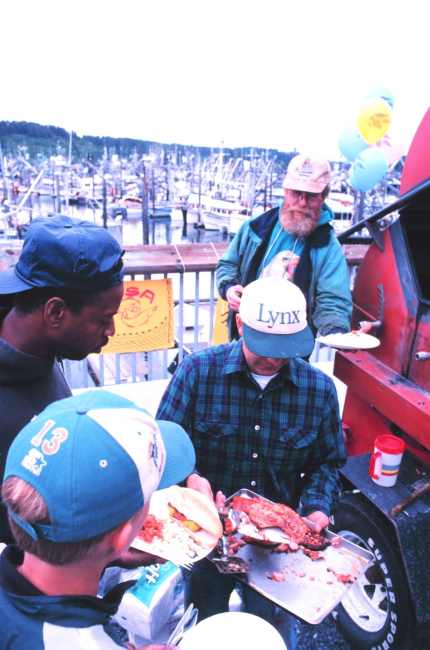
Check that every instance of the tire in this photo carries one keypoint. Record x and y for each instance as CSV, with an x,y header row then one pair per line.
x,y
376,613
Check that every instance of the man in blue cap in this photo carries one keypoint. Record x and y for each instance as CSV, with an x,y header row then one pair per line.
x,y
78,484
261,419
59,300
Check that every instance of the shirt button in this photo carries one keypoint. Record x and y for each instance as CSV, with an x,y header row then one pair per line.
x,y
257,428
253,483
255,455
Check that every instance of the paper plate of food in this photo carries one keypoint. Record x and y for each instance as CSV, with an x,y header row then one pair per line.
x,y
183,526
354,340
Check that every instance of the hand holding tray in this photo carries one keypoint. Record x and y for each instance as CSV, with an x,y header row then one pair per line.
x,y
310,589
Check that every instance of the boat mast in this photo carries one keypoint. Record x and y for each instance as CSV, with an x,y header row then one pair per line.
x,y
6,189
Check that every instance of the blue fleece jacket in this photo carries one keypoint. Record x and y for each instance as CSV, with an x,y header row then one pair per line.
x,y
321,273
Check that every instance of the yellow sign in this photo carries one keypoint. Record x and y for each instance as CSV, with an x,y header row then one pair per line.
x,y
144,320
220,331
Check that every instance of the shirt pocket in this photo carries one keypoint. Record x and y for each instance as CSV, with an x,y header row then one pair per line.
x,y
215,428
217,448
298,438
292,449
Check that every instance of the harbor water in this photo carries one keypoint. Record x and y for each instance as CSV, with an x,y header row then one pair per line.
x,y
129,231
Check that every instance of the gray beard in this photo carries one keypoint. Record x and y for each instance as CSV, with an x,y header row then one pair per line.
x,y
300,225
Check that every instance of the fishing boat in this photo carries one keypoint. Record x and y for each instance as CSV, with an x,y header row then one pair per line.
x,y
218,214
74,198
194,205
131,201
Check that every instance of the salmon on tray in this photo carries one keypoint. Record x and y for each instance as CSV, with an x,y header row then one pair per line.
x,y
305,573
275,523
182,526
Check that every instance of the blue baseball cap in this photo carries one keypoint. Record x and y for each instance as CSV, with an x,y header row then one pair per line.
x,y
65,252
96,458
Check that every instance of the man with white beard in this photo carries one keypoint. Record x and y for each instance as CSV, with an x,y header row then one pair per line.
x,y
295,241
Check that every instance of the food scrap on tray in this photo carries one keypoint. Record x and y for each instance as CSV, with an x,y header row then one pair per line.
x,y
342,577
234,544
278,576
229,526
261,541
314,555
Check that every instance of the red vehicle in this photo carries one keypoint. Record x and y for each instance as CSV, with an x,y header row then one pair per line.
x,y
389,392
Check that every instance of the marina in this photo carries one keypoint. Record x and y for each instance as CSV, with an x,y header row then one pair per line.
x,y
157,209
218,193
175,228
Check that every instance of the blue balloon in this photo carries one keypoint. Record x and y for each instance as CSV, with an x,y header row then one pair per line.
x,y
368,169
351,143
383,93
351,176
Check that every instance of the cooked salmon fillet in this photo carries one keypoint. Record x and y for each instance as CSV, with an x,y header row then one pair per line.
x,y
266,515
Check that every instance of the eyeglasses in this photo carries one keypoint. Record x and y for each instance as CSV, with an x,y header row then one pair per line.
x,y
311,199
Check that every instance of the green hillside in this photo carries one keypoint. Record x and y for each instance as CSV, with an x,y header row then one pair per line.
x,y
46,141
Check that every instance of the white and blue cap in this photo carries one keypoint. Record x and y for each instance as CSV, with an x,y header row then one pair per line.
x,y
273,313
96,459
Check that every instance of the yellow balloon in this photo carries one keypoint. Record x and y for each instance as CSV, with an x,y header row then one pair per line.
x,y
374,119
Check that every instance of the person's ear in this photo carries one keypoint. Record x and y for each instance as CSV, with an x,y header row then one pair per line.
x,y
119,539
239,324
55,311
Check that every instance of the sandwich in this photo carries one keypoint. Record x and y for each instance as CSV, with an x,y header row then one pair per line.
x,y
188,508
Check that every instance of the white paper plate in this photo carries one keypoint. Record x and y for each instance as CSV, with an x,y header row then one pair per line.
x,y
350,341
173,547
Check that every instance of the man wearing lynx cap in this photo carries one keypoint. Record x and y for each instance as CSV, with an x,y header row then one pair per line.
x,y
297,242
259,418
59,300
78,484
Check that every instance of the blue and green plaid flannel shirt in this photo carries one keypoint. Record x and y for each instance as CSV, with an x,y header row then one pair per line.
x,y
261,440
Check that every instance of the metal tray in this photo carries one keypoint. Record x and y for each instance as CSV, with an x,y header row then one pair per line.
x,y
309,597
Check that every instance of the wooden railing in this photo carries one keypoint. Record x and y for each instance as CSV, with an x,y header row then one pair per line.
x,y
180,262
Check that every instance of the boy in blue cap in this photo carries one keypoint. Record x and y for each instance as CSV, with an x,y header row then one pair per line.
x,y
77,486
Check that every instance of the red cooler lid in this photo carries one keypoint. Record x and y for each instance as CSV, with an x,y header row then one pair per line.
x,y
390,444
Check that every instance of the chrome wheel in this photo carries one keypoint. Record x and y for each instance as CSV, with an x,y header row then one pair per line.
x,y
366,601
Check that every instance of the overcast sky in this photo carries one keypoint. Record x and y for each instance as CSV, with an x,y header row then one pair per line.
x,y
272,73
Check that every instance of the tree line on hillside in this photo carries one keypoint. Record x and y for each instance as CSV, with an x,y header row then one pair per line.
x,y
50,140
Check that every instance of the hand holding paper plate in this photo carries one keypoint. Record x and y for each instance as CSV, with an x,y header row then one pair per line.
x,y
183,526
354,340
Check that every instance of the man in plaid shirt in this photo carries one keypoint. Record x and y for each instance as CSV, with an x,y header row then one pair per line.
x,y
263,419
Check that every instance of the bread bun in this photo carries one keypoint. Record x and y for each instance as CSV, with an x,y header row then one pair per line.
x,y
203,538
191,504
